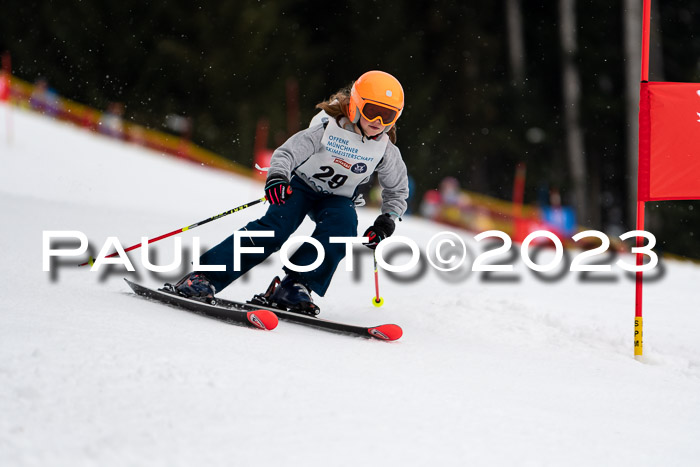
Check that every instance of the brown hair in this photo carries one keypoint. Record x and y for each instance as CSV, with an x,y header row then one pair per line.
x,y
337,106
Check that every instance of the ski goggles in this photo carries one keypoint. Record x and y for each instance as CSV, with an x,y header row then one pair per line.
x,y
375,111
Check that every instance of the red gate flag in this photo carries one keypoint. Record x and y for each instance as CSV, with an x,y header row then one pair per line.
x,y
669,141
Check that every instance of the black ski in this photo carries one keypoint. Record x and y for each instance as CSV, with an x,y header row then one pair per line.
x,y
261,319
259,316
388,332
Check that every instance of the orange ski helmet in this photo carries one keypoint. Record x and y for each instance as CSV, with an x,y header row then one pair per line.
x,y
376,95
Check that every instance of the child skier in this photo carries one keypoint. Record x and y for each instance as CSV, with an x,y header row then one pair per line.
x,y
316,172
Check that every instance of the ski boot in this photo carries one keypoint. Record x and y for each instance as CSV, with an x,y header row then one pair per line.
x,y
195,285
288,294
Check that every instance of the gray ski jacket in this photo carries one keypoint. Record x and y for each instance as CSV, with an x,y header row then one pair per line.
x,y
391,171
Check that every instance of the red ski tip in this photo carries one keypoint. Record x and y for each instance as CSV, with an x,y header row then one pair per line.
x,y
263,319
387,332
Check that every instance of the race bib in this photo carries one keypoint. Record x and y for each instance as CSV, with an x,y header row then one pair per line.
x,y
345,161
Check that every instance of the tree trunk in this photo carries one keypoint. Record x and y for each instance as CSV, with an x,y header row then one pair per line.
x,y
572,96
632,18
516,42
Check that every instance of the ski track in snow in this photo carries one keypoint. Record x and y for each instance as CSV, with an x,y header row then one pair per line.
x,y
487,373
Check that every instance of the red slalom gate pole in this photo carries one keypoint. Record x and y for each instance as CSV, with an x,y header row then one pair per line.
x,y
643,139
183,229
638,287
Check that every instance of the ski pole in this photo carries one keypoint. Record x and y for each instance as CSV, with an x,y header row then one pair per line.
x,y
183,229
376,300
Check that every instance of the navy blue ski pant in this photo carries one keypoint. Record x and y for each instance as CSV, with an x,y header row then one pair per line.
x,y
335,216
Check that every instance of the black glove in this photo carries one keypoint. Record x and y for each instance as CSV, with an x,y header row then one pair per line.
x,y
277,189
382,228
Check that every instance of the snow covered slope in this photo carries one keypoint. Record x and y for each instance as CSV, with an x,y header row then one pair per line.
x,y
526,371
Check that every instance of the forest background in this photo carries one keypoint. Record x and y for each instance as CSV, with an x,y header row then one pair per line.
x,y
552,84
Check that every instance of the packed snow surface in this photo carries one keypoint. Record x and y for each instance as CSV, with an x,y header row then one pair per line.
x,y
500,369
